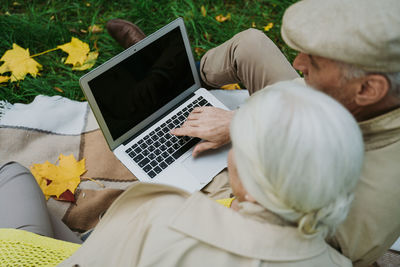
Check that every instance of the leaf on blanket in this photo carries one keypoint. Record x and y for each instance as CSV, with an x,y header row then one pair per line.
x,y
77,51
19,62
67,196
57,180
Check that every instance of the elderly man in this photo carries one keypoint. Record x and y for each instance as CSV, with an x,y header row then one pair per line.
x,y
349,50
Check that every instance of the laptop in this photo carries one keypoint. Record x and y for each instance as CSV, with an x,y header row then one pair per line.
x,y
141,94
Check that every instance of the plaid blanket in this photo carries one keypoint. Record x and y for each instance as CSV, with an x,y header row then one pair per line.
x,y
28,145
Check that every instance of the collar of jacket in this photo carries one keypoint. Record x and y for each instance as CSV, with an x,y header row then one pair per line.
x,y
381,131
203,219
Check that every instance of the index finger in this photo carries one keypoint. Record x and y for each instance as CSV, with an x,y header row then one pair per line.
x,y
198,109
185,131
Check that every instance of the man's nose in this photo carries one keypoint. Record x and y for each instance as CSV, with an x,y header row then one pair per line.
x,y
301,63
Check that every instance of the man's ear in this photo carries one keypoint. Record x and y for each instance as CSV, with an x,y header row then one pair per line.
x,y
372,90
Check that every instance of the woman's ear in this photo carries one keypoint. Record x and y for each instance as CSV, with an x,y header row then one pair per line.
x,y
372,90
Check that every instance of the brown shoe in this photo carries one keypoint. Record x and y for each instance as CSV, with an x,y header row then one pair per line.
x,y
124,32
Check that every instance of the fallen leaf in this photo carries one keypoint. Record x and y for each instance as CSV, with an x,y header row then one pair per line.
x,y
19,62
67,196
95,29
203,11
77,51
268,27
232,86
4,79
207,36
58,89
221,18
95,45
73,30
199,51
65,176
89,62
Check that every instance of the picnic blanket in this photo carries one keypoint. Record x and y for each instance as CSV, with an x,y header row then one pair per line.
x,y
49,126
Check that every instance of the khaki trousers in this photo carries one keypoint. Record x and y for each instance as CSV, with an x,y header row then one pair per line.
x,y
250,58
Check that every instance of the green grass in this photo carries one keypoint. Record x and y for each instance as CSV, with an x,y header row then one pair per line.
x,y
42,25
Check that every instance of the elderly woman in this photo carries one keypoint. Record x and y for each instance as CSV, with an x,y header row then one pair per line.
x,y
295,159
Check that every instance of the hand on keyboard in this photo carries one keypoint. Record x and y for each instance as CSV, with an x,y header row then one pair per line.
x,y
208,123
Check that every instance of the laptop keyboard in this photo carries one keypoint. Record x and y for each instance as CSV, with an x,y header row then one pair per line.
x,y
159,149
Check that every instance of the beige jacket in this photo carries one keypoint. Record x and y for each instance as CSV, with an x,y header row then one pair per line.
x,y
156,225
373,224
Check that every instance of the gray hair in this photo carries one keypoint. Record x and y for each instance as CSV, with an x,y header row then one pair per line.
x,y
350,72
299,154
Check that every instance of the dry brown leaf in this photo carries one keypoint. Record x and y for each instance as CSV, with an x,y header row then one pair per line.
x,y
199,51
207,36
95,29
58,89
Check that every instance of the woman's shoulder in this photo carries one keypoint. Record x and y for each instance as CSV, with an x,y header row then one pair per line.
x,y
144,192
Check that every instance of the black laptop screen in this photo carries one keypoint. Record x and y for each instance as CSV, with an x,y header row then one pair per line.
x,y
138,86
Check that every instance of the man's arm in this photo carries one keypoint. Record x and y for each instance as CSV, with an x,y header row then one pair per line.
x,y
250,58
208,123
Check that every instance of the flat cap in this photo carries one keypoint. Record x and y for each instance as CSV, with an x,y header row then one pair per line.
x,y
365,33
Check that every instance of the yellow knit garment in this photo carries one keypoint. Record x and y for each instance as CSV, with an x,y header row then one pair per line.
x,y
227,202
22,248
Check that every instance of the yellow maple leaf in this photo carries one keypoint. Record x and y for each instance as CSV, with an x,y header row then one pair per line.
x,y
4,79
221,18
55,180
89,62
19,62
268,27
77,51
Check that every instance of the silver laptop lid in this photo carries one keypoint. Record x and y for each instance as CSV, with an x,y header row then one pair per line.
x,y
136,87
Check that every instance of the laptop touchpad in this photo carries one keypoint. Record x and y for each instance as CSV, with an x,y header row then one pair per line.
x,y
207,164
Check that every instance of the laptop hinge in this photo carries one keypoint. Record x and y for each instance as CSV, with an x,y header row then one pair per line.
x,y
155,121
